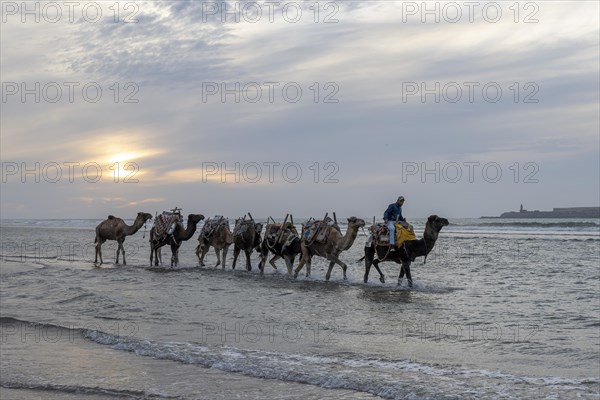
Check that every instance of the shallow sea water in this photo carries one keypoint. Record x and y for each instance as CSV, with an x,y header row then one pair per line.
x,y
502,309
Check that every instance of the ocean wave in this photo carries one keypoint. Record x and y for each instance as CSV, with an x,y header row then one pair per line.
x,y
387,378
84,390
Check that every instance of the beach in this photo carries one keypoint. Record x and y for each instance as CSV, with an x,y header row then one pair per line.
x,y
501,309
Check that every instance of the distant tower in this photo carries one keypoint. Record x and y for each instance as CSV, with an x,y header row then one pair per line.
x,y
521,209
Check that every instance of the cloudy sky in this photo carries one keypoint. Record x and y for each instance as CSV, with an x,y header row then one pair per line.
x,y
466,109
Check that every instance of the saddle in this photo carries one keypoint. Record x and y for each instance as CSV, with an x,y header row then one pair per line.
x,y
242,226
274,233
318,230
165,224
213,226
380,234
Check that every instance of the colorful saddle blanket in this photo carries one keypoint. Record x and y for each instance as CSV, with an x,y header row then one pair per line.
x,y
166,223
213,226
318,230
381,234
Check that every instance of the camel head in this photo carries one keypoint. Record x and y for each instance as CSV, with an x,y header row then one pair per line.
x,y
437,223
143,216
195,218
357,222
257,239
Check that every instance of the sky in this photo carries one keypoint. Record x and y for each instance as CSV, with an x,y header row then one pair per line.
x,y
220,108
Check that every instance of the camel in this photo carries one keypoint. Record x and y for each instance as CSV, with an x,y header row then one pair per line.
x,y
115,228
246,236
406,254
219,237
287,247
331,248
179,235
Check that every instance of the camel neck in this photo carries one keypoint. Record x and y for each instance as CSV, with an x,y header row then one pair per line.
x,y
132,229
349,237
429,238
189,231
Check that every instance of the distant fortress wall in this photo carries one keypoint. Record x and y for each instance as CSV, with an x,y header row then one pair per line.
x,y
571,212
576,209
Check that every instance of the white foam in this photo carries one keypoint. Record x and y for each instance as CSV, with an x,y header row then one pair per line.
x,y
385,378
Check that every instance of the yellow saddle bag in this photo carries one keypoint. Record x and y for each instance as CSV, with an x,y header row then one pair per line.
x,y
403,234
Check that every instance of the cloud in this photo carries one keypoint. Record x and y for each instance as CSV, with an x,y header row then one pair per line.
x,y
364,61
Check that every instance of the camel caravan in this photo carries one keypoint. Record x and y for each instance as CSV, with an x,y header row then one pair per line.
x,y
321,238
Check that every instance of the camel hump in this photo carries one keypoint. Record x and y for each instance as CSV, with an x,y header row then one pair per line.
x,y
111,217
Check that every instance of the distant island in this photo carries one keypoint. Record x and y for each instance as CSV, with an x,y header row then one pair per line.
x,y
573,212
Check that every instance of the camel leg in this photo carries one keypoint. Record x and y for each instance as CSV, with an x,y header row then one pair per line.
x,y
331,264
122,251
401,275
408,275
305,258
405,269
174,255
263,257
371,261
98,252
368,261
218,253
335,260
118,251
300,266
225,249
154,254
367,269
201,251
204,253
248,263
236,253
289,263
273,259
381,276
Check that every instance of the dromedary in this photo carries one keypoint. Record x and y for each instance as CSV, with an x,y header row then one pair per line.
x,y
179,235
115,228
287,247
246,237
218,236
407,253
331,248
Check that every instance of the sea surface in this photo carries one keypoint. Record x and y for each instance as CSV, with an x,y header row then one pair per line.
x,y
502,309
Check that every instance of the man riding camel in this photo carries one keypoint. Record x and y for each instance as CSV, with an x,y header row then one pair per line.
x,y
393,214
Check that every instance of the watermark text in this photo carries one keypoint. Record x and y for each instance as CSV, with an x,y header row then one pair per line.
x,y
57,92
70,171
471,92
469,171
254,332
269,171
269,92
453,12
